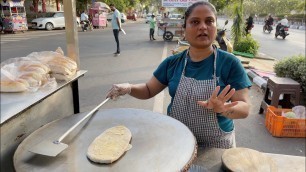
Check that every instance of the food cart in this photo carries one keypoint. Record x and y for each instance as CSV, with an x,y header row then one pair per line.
x,y
169,28
14,16
99,13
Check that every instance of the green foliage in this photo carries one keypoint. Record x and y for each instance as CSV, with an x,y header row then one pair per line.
x,y
274,7
237,27
220,4
292,67
121,5
247,45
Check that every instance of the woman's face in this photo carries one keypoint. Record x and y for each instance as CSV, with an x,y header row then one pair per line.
x,y
201,27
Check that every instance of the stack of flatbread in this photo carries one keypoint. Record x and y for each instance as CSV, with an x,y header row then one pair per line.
x,y
62,68
37,69
13,85
34,72
22,75
110,145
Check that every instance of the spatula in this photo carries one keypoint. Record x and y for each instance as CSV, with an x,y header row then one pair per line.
x,y
53,148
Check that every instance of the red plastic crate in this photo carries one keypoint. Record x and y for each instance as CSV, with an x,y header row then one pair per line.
x,y
280,126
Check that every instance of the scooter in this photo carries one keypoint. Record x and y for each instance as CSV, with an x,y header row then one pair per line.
x,y
86,25
223,42
281,31
267,27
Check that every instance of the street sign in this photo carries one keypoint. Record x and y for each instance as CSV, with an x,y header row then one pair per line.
x,y
179,3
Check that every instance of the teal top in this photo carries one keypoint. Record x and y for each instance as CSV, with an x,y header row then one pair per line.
x,y
152,23
229,71
116,15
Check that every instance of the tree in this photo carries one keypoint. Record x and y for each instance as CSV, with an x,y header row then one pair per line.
x,y
237,27
81,5
221,4
264,7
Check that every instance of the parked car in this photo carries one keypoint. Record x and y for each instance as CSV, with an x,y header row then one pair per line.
x,y
148,17
110,16
50,21
123,18
158,17
175,16
132,17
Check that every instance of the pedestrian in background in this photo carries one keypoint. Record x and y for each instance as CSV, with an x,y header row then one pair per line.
x,y
116,25
208,86
152,27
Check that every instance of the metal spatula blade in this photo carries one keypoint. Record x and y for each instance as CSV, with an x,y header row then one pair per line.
x,y
53,148
48,148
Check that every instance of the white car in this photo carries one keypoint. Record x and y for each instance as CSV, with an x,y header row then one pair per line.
x,y
50,21
175,16
123,18
148,18
158,17
110,16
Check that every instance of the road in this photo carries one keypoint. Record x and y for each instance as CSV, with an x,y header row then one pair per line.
x,y
139,58
277,48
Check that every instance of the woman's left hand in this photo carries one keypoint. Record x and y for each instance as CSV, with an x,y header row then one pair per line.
x,y
219,102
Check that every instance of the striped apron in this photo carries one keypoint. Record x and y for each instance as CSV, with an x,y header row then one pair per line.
x,y
201,121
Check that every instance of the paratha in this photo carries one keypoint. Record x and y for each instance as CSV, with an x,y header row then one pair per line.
x,y
110,145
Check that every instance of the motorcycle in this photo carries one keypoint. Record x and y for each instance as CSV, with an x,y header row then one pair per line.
x,y
223,42
281,31
86,25
267,27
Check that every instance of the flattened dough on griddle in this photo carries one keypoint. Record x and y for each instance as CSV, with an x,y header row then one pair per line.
x,y
110,145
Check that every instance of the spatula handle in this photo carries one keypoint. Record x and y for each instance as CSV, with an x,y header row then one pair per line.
x,y
78,123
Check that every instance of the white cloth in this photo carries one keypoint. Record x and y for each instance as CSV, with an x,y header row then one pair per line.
x,y
84,17
284,22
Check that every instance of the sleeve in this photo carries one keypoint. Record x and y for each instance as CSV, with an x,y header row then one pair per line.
x,y
161,72
238,78
116,14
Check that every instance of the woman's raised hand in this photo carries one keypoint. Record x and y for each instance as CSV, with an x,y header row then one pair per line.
x,y
119,90
219,102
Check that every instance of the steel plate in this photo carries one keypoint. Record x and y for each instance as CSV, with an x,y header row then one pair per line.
x,y
160,143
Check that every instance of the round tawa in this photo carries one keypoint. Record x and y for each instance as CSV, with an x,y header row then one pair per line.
x,y
159,143
244,159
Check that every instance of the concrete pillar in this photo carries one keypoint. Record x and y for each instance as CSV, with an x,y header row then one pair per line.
x,y
71,31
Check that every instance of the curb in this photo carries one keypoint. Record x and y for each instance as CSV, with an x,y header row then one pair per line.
x,y
259,81
264,56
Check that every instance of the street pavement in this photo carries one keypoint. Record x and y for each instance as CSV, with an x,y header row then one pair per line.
x,y
277,48
31,34
139,58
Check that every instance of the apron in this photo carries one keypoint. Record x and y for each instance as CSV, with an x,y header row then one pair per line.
x,y
201,121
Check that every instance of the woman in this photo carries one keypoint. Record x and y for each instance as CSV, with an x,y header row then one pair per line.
x,y
195,77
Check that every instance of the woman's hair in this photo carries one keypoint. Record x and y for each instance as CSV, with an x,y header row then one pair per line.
x,y
192,7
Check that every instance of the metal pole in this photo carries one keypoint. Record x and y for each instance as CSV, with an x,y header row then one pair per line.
x,y
72,40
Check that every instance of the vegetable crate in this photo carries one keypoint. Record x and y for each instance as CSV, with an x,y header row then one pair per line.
x,y
280,126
